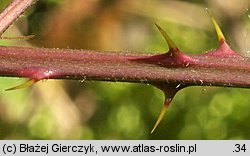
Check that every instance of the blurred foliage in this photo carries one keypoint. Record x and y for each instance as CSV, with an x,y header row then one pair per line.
x,y
56,109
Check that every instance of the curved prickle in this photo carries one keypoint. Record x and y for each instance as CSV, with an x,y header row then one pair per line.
x,y
34,74
23,85
169,93
224,49
160,117
173,58
171,44
219,33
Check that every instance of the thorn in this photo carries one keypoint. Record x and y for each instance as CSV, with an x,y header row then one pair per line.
x,y
220,35
160,117
169,92
23,85
173,58
171,44
224,49
17,38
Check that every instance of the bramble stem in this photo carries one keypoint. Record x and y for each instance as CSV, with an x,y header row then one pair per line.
x,y
121,66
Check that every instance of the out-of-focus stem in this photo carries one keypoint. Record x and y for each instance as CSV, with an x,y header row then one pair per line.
x,y
13,12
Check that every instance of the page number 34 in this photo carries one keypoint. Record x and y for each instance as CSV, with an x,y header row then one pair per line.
x,y
239,148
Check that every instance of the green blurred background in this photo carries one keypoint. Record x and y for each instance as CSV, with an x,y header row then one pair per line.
x,y
57,109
